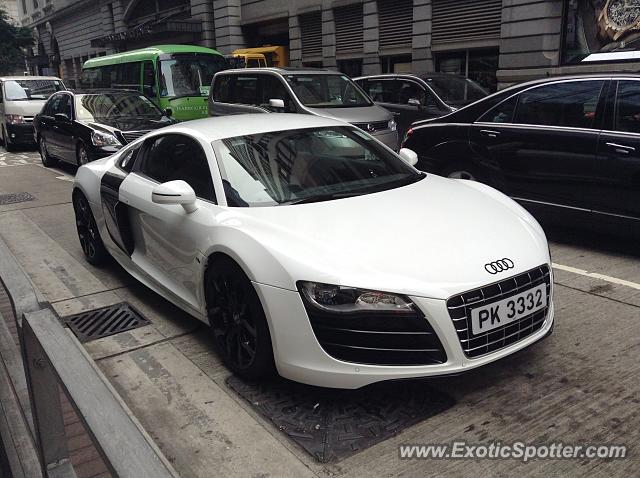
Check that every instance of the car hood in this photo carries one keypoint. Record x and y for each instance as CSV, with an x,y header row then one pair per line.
x,y
430,239
364,114
128,124
24,108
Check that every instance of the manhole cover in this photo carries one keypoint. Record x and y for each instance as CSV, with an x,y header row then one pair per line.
x,y
334,424
14,198
104,322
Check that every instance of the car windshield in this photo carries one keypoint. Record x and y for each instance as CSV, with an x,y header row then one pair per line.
x,y
307,165
94,107
189,75
25,90
327,91
456,90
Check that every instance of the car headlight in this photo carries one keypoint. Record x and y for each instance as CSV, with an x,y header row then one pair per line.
x,y
102,138
14,119
344,300
393,125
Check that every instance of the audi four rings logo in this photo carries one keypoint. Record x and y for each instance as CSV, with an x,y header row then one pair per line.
x,y
500,265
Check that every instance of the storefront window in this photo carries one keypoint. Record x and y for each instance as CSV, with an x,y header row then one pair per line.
x,y
396,64
477,65
597,30
351,67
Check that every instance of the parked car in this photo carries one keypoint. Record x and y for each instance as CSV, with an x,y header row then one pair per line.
x,y
416,97
568,146
78,127
282,237
308,91
21,98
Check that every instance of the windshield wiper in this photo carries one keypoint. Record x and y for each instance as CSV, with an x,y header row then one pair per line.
x,y
191,95
323,197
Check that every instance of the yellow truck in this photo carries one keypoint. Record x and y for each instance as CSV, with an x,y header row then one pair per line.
x,y
262,56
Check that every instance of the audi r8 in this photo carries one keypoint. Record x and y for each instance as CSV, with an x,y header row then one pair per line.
x,y
312,250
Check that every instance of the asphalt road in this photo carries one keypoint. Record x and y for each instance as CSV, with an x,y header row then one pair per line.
x,y
580,386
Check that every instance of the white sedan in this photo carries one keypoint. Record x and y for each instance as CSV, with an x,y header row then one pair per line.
x,y
311,249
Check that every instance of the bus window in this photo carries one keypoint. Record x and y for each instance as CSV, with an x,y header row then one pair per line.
x,y
189,75
127,76
148,79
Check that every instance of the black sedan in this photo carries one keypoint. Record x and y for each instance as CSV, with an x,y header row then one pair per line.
x,y
568,146
78,127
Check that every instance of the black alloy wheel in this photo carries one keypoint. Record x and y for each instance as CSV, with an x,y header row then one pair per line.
x,y
92,246
462,170
238,325
81,155
45,157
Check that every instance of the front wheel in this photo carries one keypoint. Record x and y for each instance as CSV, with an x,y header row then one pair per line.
x,y
462,170
238,324
7,145
45,157
92,246
81,155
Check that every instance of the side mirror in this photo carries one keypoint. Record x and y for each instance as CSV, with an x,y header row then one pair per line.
x,y
414,102
168,112
276,103
63,118
175,192
408,156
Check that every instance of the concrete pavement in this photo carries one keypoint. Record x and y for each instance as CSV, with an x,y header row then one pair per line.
x,y
578,386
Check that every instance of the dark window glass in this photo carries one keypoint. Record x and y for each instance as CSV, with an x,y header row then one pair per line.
x,y
128,76
128,159
52,105
149,79
273,88
64,107
571,104
252,63
222,88
174,157
326,91
408,90
628,107
502,113
245,90
352,67
383,91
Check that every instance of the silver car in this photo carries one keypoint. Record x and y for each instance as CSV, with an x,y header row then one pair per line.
x,y
309,91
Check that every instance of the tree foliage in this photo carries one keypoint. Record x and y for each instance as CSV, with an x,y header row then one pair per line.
x,y
12,40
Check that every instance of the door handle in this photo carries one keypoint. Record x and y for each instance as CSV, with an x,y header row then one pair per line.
x,y
621,148
490,133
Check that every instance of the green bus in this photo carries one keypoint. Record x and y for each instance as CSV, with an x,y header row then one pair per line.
x,y
177,77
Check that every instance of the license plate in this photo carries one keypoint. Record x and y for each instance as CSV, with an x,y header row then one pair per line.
x,y
505,311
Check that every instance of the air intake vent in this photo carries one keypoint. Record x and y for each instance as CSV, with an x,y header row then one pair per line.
x,y
396,23
349,28
311,30
106,321
465,20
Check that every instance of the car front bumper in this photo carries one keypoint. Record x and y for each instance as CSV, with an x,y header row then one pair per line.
x,y
300,357
388,138
20,133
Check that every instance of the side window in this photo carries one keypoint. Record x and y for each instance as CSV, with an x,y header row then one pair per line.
x,y
128,76
128,159
408,90
252,63
1,93
175,156
628,107
502,113
571,104
272,88
64,106
148,79
222,88
51,105
383,91
245,91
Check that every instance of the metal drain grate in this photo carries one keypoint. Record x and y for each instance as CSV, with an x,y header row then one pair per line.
x,y
106,321
14,198
334,424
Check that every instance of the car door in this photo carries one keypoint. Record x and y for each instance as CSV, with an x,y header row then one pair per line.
x,y
384,92
63,130
415,103
617,178
539,146
46,123
164,235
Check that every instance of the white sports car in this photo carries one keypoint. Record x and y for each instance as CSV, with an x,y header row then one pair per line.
x,y
310,248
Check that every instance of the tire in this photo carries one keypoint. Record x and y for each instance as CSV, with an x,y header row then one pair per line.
x,y
92,246
462,170
81,155
45,157
7,145
2,137
239,328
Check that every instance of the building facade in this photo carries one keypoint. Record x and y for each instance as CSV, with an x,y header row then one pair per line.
x,y
11,8
496,42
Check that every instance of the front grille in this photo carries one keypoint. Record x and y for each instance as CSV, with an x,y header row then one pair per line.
x,y
376,126
385,339
132,135
28,119
460,307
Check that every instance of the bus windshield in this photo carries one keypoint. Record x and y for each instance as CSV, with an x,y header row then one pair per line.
x,y
189,75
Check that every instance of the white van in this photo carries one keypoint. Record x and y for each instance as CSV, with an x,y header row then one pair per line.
x,y
21,98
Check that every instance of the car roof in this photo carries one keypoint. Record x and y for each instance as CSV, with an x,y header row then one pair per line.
x,y
220,127
5,78
283,70
103,91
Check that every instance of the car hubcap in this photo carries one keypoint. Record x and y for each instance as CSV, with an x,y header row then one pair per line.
x,y
87,229
82,154
43,149
231,322
461,175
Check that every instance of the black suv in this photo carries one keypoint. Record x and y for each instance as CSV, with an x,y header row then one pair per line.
x,y
566,145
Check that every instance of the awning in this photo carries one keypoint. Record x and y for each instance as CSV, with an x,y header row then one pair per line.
x,y
147,29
